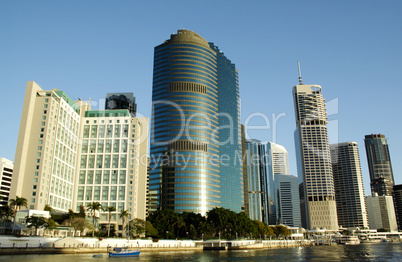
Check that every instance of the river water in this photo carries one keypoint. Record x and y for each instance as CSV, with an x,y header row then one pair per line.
x,y
362,252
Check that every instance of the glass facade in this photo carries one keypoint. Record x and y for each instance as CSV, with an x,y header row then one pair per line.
x,y
379,163
184,164
257,182
230,148
195,106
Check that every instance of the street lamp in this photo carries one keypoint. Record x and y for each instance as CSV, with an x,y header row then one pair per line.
x,y
251,235
167,232
202,236
187,234
219,236
236,235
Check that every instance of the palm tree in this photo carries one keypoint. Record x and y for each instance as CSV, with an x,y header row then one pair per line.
x,y
123,215
5,213
16,204
93,207
109,209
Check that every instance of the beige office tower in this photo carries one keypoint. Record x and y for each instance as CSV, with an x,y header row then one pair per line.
x,y
381,212
348,183
68,155
47,148
113,164
317,203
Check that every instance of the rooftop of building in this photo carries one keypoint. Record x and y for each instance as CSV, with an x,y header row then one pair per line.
x,y
107,113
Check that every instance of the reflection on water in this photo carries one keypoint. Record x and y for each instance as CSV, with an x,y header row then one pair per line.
x,y
363,252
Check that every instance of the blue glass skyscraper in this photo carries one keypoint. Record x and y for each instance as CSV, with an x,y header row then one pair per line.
x,y
231,167
185,168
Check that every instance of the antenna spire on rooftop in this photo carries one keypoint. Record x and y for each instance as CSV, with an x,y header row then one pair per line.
x,y
300,77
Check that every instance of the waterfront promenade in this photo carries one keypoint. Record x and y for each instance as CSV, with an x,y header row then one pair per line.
x,y
41,245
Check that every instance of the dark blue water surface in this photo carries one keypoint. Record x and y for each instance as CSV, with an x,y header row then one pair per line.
x,y
362,252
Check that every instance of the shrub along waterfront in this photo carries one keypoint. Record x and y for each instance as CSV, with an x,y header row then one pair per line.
x,y
219,223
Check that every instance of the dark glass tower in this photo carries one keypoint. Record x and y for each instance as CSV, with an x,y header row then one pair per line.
x,y
379,163
230,147
121,101
185,171
397,196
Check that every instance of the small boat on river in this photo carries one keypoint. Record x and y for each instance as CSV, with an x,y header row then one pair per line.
x,y
123,252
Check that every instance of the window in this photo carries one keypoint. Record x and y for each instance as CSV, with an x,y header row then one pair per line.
x,y
105,193
122,178
98,177
114,177
90,177
88,195
122,193
106,177
34,187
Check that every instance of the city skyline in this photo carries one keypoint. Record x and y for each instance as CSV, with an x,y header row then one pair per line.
x,y
104,50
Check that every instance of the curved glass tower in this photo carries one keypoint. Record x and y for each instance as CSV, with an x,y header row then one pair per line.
x,y
184,166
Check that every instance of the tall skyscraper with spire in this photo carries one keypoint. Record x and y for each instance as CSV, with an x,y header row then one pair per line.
x,y
379,163
195,98
318,206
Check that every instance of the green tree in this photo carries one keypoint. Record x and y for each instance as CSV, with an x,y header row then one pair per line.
x,y
281,231
80,223
137,227
36,222
82,211
150,230
124,215
163,221
222,220
6,212
109,209
16,205
51,224
93,207
48,208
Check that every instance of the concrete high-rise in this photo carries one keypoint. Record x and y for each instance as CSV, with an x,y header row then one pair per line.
x,y
47,149
6,176
379,163
287,202
381,212
68,155
195,97
318,205
113,163
348,182
278,164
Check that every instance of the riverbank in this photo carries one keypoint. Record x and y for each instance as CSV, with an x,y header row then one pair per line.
x,y
10,245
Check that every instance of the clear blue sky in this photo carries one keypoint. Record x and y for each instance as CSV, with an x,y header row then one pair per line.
x,y
353,49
